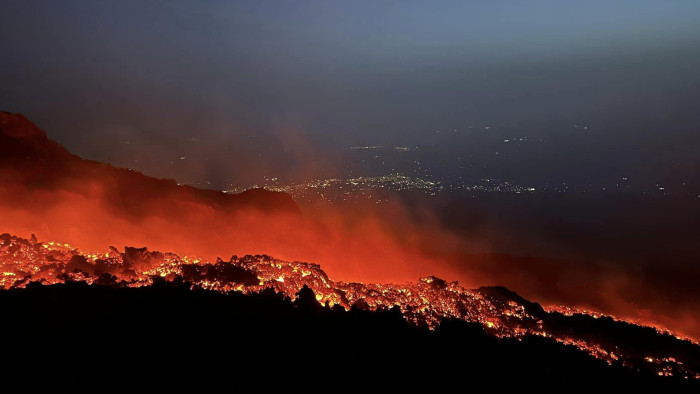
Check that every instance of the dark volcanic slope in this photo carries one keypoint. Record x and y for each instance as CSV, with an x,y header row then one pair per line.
x,y
168,338
426,303
28,157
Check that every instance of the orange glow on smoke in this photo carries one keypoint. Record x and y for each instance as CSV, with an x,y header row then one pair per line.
x,y
351,243
361,250
57,196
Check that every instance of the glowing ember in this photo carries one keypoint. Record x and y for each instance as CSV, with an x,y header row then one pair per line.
x,y
424,303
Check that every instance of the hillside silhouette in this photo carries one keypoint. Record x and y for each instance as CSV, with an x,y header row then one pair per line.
x,y
489,335
168,338
28,157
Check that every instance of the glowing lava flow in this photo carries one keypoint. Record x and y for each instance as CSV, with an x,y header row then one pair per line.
x,y
424,303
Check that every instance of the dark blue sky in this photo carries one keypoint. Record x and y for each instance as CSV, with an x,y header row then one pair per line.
x,y
257,77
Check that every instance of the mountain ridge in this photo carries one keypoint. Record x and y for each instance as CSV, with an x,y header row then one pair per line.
x,y
39,161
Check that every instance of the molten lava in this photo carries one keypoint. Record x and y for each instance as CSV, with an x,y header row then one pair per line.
x,y
425,303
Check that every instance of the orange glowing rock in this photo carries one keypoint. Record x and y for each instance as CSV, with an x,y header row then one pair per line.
x,y
425,303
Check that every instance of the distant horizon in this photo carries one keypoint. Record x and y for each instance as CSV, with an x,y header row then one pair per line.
x,y
275,87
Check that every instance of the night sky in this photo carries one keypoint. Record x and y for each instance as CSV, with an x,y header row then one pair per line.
x,y
268,84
